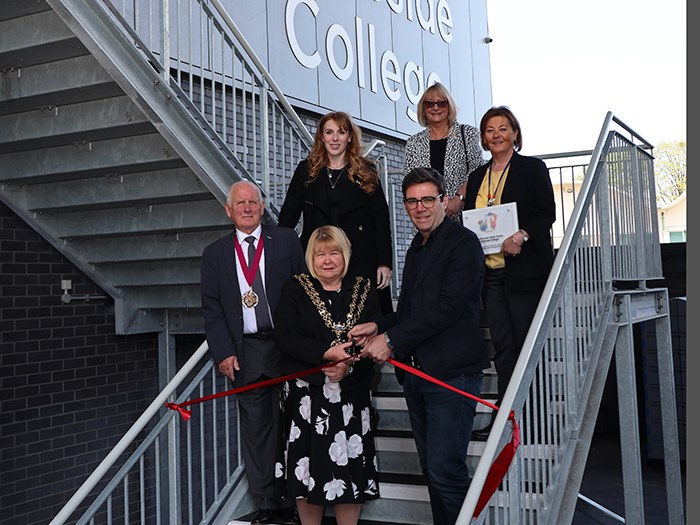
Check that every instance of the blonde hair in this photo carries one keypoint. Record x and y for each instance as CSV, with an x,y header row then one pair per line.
x,y
440,91
329,237
361,171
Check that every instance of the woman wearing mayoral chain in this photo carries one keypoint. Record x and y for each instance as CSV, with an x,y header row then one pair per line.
x,y
330,454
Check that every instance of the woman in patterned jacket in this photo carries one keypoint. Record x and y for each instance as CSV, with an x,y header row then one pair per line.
x,y
452,148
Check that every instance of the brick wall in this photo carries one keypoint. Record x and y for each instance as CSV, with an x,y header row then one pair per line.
x,y
70,387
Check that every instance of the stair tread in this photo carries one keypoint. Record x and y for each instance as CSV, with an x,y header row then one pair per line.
x,y
395,479
398,434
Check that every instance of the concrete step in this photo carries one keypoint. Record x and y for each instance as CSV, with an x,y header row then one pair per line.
x,y
388,383
393,413
56,84
399,503
398,455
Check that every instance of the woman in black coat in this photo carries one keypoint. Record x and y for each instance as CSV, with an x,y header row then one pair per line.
x,y
515,278
337,186
330,456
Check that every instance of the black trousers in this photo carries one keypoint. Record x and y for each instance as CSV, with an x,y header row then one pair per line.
x,y
261,420
508,315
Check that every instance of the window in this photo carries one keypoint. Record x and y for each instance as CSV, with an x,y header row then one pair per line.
x,y
677,236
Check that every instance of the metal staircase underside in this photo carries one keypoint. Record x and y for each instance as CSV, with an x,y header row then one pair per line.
x,y
99,156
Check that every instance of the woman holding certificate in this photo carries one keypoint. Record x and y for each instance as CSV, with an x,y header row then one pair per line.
x,y
515,277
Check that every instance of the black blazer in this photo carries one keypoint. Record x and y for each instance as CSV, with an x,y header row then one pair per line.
x,y
363,217
302,336
528,184
442,327
221,299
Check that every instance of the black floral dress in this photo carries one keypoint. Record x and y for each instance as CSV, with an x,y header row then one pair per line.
x,y
330,457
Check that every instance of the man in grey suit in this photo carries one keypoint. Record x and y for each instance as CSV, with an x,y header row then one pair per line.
x,y
436,329
238,322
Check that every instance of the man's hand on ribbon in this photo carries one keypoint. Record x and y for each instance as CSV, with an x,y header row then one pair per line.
x,y
362,333
373,345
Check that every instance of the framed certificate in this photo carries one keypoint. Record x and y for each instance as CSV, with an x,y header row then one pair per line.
x,y
492,224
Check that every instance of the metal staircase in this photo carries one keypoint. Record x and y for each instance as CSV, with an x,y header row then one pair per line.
x,y
116,156
121,159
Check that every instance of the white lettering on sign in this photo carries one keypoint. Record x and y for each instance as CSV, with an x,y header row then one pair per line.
x,y
433,16
337,31
444,20
439,16
309,61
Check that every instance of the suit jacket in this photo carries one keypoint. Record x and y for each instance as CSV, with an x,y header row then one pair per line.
x,y
363,217
221,298
529,186
302,336
437,317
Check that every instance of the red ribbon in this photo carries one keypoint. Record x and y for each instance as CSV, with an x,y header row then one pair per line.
x,y
249,270
499,468
186,414
497,471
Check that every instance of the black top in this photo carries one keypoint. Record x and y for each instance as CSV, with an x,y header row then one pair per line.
x,y
437,317
437,154
364,217
302,336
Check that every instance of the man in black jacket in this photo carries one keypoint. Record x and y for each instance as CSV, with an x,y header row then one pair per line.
x,y
436,329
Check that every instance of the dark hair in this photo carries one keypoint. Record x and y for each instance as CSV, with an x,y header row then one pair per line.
x,y
420,175
502,111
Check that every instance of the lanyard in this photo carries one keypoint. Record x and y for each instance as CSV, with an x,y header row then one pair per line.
x,y
491,199
249,271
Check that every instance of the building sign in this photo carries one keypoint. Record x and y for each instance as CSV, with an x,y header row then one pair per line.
x,y
371,58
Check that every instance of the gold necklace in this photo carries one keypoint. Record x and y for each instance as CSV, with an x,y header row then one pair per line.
x,y
339,329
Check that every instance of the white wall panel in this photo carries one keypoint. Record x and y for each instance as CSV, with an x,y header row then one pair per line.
x,y
413,37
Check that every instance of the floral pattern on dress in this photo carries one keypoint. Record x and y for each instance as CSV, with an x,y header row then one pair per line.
x,y
366,420
331,391
322,423
305,408
294,432
334,489
347,413
330,452
338,451
302,473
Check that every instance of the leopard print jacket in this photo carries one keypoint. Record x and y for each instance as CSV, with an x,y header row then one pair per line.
x,y
462,155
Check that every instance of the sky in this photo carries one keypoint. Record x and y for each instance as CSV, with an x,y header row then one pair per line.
x,y
562,65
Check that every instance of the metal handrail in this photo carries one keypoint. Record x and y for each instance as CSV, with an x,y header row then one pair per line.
x,y
141,423
560,287
212,68
261,68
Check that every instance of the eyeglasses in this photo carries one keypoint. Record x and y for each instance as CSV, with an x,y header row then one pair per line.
x,y
439,103
427,202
